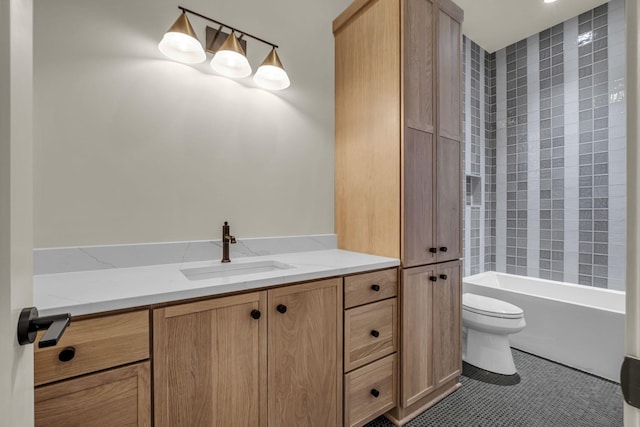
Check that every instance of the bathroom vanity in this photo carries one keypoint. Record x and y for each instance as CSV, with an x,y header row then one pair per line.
x,y
267,353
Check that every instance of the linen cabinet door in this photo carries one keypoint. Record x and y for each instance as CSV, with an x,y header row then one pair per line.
x,y
448,200
210,362
447,328
449,74
417,337
419,247
305,354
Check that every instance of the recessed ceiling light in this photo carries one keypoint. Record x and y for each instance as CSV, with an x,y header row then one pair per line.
x,y
549,1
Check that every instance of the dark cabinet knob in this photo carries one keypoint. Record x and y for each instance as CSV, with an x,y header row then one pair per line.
x,y
433,250
281,308
443,276
375,393
67,354
433,278
256,314
375,333
375,287
443,249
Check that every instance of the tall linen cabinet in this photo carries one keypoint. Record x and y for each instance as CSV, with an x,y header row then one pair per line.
x,y
398,174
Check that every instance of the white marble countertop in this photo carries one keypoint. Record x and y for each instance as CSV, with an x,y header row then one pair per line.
x,y
87,292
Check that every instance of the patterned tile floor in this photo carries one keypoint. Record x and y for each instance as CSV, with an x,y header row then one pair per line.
x,y
548,395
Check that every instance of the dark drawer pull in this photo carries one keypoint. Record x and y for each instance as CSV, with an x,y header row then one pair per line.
x,y
256,314
433,278
433,250
281,308
375,287
375,333
443,249
443,276
67,354
375,393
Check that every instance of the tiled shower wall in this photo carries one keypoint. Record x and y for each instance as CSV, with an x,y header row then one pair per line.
x,y
544,155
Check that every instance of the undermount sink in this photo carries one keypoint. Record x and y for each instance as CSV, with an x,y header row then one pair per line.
x,y
231,269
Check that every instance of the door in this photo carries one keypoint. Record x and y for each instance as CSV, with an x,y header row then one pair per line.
x,y
16,210
417,338
305,354
447,330
210,362
448,200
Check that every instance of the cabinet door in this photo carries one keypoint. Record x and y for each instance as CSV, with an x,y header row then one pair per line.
x,y
449,71
210,362
449,200
447,331
418,64
417,340
305,354
418,198
118,397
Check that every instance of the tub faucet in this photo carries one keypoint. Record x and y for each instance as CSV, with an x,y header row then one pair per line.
x,y
226,239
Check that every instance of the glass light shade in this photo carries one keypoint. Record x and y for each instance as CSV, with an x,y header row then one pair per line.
x,y
183,48
230,60
271,74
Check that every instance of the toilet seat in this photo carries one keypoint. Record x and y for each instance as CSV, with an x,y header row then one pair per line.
x,y
491,307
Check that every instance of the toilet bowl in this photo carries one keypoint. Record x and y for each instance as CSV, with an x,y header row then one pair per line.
x,y
487,324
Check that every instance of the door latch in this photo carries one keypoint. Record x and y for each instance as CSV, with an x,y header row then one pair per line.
x,y
29,323
630,381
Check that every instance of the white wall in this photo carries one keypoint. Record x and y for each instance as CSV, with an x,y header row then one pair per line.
x,y
16,290
132,147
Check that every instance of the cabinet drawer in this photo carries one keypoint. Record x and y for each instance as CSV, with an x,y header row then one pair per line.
x,y
360,387
118,397
361,289
370,332
100,343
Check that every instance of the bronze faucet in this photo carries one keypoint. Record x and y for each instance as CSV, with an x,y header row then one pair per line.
x,y
226,239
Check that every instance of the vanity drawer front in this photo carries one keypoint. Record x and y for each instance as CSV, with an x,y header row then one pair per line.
x,y
370,332
370,287
95,344
363,385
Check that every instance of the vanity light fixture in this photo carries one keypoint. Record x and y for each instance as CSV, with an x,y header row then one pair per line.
x,y
181,44
549,1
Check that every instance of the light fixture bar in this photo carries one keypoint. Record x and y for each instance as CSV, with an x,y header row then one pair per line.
x,y
184,9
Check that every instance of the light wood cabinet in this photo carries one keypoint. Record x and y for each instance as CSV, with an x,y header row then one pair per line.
x,y
82,381
210,362
210,359
398,129
398,182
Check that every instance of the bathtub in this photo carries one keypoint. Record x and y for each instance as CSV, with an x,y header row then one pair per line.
x,y
578,326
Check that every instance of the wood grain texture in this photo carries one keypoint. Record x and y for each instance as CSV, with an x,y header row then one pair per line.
x,y
449,76
399,415
419,91
360,347
305,355
352,10
449,200
118,397
447,327
367,121
418,198
358,291
100,343
210,365
360,405
417,335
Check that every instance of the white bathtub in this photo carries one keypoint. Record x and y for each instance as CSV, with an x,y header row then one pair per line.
x,y
579,326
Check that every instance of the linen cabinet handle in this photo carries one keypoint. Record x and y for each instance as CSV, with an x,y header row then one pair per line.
x,y
443,276
375,393
375,287
433,278
375,333
281,308
256,314
67,354
443,249
433,250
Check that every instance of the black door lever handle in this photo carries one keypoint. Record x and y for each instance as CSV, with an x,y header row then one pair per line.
x,y
29,323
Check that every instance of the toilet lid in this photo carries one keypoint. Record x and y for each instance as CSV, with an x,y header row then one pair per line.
x,y
490,307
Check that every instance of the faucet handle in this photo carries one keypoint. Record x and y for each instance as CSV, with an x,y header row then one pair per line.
x,y
232,239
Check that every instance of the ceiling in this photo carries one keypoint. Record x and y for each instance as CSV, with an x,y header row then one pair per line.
x,y
495,24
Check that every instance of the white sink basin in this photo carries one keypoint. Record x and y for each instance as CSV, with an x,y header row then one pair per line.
x,y
232,269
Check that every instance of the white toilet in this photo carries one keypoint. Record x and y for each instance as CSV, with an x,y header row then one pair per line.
x,y
487,324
